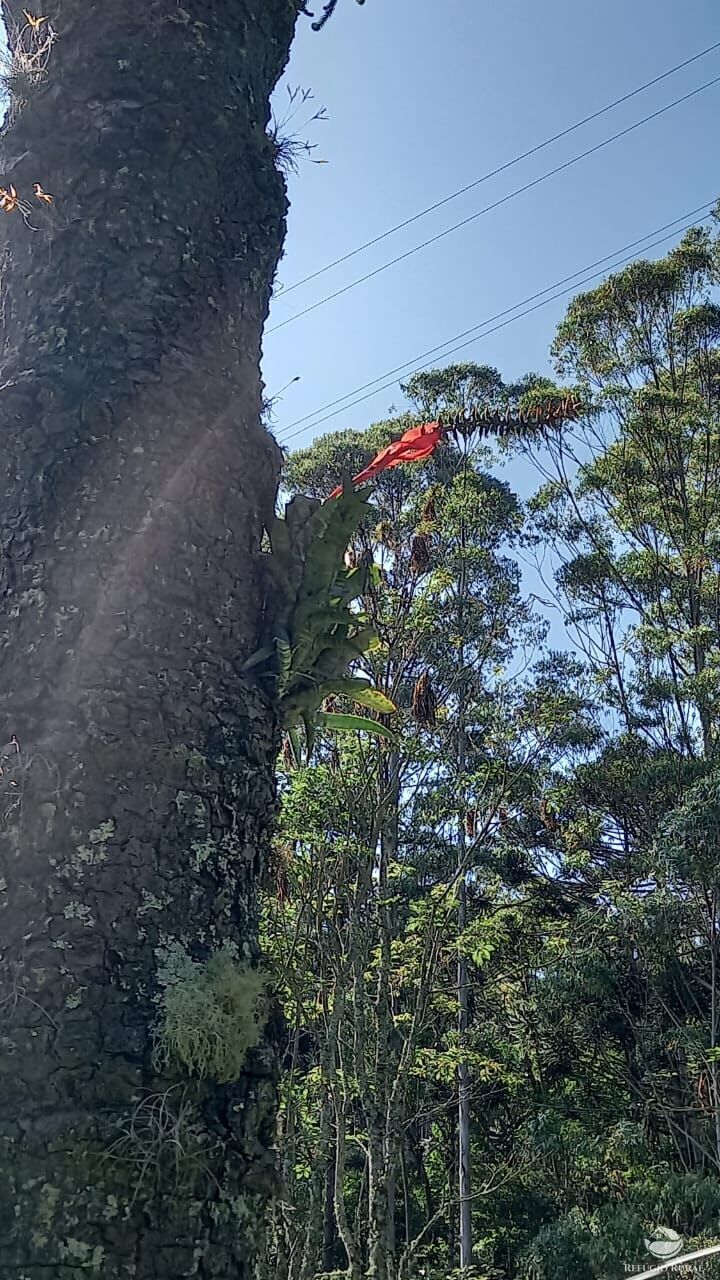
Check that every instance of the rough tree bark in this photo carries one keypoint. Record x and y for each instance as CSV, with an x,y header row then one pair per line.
x,y
137,783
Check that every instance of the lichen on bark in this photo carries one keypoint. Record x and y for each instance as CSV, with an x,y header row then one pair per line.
x,y
210,1014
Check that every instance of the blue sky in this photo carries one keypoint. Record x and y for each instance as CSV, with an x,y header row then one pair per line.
x,y
422,97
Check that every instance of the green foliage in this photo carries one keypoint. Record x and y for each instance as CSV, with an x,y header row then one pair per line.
x,y
689,835
458,388
363,934
583,807
639,528
211,1013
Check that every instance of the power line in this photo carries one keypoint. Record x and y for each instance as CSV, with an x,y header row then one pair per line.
x,y
433,351
528,186
493,173
688,219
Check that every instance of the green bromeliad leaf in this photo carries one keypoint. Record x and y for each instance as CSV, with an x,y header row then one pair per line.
x,y
363,693
334,720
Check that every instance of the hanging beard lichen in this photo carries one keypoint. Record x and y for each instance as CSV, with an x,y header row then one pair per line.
x,y
211,1013
424,702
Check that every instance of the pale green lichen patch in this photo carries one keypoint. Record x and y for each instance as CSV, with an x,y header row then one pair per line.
x,y
89,1256
211,1014
74,1000
86,855
93,850
103,833
201,851
83,854
34,597
47,1204
79,911
151,902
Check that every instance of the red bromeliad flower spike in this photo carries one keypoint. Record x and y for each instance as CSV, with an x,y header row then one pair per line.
x,y
421,442
415,444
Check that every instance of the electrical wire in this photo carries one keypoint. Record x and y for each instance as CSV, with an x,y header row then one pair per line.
x,y
433,351
528,186
502,168
688,219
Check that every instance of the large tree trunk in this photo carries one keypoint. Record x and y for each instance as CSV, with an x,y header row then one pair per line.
x,y
137,791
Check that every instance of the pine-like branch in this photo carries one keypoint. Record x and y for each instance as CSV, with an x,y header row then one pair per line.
x,y
487,421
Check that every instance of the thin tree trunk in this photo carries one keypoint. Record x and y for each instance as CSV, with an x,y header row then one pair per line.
x,y
391,1181
423,1178
380,1107
452,1224
464,1087
406,1197
136,482
349,1244
318,1211
464,1093
377,1205
360,1217
329,1228
714,1074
